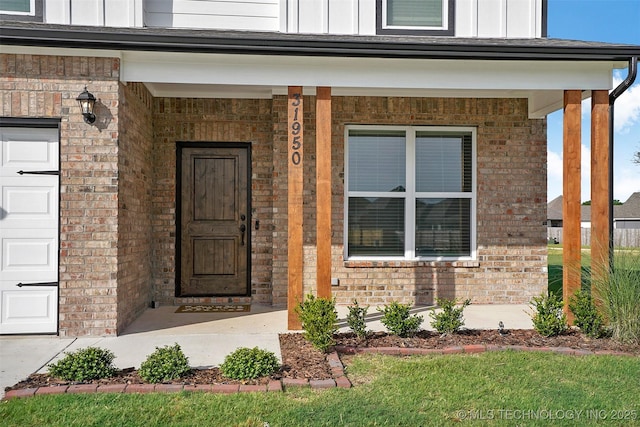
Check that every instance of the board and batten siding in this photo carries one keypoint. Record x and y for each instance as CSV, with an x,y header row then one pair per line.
x,y
473,18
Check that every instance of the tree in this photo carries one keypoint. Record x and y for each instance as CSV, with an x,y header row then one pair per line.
x,y
615,202
636,158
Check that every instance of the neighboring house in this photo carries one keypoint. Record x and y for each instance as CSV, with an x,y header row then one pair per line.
x,y
259,151
625,216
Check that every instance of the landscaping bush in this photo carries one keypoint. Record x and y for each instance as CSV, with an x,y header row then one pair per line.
x,y
319,320
449,320
618,294
248,363
548,318
586,315
86,364
164,364
356,319
397,319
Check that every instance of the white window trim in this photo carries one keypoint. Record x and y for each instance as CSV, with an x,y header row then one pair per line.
x,y
444,27
32,10
410,194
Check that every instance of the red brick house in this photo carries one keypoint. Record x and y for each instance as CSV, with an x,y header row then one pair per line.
x,y
255,152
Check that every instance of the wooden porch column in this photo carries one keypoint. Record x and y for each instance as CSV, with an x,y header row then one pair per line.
x,y
323,191
294,201
600,180
571,197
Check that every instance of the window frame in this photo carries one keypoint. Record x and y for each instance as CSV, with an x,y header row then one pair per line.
x,y
447,29
410,195
35,13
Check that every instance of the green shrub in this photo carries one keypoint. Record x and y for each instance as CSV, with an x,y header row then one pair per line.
x,y
396,318
449,320
548,318
164,364
356,319
319,320
586,315
618,294
86,364
248,363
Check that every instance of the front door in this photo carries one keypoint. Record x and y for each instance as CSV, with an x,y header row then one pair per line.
x,y
214,228
29,192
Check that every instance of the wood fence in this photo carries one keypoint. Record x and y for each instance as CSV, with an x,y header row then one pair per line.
x,y
622,237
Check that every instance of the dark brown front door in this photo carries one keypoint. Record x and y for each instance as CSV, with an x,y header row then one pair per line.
x,y
214,220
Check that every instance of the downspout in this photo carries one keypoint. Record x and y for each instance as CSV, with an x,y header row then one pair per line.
x,y
622,87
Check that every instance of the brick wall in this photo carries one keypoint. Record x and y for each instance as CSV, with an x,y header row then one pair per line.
x,y
47,86
211,120
511,201
135,180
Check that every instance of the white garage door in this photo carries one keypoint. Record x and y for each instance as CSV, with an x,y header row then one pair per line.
x,y
29,230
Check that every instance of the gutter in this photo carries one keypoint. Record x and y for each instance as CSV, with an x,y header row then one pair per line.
x,y
622,87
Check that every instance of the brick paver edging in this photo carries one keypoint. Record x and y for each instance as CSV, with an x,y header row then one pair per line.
x,y
337,371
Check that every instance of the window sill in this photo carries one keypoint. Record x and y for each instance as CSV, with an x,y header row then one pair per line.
x,y
409,264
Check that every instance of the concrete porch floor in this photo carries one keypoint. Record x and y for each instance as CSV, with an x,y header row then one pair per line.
x,y
206,338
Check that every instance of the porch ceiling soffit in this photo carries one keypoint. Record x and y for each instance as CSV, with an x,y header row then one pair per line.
x,y
255,76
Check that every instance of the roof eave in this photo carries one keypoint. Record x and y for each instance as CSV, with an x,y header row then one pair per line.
x,y
252,43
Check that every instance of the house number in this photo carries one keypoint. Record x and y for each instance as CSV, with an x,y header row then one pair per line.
x,y
296,128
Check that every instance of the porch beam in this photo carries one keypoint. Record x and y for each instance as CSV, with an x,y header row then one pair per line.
x,y
323,191
571,238
600,183
295,140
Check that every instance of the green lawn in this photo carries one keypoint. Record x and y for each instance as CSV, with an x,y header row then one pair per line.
x,y
554,261
498,388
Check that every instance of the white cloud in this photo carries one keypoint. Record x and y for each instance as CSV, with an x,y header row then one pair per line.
x,y
585,160
554,175
627,107
625,183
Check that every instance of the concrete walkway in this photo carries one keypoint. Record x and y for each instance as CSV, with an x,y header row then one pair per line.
x,y
206,338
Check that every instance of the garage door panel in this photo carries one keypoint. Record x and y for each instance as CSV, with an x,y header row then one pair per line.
x,y
29,202
25,310
29,254
28,149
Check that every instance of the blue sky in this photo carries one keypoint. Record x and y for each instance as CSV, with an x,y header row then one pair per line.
x,y
614,21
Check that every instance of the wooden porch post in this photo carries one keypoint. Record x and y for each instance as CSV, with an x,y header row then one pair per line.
x,y
323,191
600,180
294,200
571,197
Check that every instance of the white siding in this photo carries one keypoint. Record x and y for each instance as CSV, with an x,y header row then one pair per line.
x,y
473,18
111,13
257,15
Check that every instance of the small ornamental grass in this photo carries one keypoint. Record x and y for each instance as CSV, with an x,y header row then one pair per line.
x,y
319,320
164,364
397,319
449,320
548,318
249,363
356,319
86,364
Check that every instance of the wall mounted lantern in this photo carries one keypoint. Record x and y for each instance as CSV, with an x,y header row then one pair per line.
x,y
87,101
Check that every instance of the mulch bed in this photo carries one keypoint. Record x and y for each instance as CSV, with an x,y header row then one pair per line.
x,y
302,361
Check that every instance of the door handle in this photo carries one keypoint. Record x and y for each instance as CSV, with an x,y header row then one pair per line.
x,y
243,228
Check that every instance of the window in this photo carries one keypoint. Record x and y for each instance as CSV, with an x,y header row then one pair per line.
x,y
410,193
419,17
23,10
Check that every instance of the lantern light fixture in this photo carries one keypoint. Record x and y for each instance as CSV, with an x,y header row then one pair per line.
x,y
87,102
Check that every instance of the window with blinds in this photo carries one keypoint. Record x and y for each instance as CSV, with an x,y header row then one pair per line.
x,y
428,17
410,193
16,6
